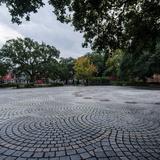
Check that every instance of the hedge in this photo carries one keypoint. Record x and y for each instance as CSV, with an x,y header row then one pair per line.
x,y
98,81
29,85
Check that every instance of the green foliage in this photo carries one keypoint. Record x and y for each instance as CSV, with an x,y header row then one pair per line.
x,y
148,63
106,24
84,69
113,63
3,69
29,57
66,70
49,70
55,84
8,85
99,60
22,8
29,85
131,25
142,66
98,81
155,59
126,67
128,83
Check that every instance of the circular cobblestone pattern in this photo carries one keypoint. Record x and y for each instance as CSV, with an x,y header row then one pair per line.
x,y
76,123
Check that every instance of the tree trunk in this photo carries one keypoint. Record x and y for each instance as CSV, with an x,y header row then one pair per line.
x,y
87,82
66,81
32,79
77,81
73,82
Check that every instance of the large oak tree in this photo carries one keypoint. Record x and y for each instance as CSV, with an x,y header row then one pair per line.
x,y
29,57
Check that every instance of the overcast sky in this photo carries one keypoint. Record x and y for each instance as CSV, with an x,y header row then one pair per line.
x,y
43,27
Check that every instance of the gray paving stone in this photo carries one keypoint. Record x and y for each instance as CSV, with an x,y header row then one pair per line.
x,y
92,158
9,152
38,154
56,158
78,123
85,155
27,154
123,158
60,153
110,153
49,154
65,158
114,158
10,158
20,158
81,150
18,153
100,154
2,157
75,157
70,152
2,150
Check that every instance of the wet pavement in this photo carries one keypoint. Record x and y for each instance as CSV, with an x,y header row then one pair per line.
x,y
74,123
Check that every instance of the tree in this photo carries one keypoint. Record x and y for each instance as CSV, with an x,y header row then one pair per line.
x,y
49,70
20,9
29,57
130,25
148,63
99,60
66,70
3,69
155,60
106,24
142,66
126,67
113,63
84,69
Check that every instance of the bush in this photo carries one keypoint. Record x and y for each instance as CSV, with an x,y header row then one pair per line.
x,y
8,85
29,85
129,83
98,81
56,84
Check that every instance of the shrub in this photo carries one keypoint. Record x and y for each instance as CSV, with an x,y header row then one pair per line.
x,y
129,83
7,85
56,84
98,81
29,85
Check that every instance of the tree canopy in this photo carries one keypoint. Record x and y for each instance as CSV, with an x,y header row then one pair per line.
x,y
106,25
84,69
29,57
113,63
142,66
132,26
99,60
66,69
3,69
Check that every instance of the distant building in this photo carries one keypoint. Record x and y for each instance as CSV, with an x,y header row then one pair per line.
x,y
22,78
12,78
154,79
8,78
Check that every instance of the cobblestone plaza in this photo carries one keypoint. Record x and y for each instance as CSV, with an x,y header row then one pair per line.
x,y
76,123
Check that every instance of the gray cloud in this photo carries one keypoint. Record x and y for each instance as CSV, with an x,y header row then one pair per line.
x,y
44,27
